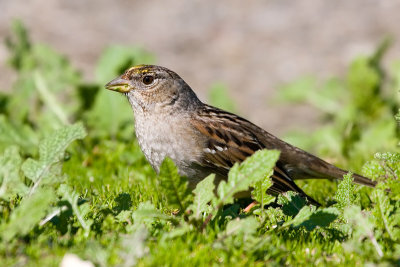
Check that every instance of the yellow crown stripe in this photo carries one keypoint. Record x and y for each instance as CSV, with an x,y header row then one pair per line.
x,y
139,69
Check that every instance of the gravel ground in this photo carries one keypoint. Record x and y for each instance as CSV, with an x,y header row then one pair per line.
x,y
252,46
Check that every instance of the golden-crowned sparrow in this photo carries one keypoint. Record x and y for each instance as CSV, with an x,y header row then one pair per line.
x,y
171,121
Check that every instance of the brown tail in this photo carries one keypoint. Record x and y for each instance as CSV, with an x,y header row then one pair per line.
x,y
324,170
363,180
337,173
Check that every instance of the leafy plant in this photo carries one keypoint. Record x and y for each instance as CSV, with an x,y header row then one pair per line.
x,y
74,183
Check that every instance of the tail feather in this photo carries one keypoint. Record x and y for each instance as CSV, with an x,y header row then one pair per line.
x,y
358,179
324,170
334,172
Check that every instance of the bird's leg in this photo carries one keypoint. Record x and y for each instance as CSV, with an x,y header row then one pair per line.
x,y
250,206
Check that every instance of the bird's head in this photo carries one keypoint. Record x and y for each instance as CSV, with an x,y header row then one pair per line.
x,y
153,87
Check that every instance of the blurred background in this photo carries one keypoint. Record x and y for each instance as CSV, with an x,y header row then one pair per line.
x,y
253,47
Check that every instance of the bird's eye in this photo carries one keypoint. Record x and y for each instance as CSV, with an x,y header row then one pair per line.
x,y
148,79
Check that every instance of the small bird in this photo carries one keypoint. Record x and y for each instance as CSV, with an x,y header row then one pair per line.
x,y
170,121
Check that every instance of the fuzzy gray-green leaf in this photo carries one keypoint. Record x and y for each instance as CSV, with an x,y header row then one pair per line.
x,y
11,182
51,150
27,214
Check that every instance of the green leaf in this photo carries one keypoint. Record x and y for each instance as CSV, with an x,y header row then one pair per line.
x,y
133,247
362,228
28,214
259,193
20,47
329,98
174,186
291,203
246,226
50,99
177,232
363,80
52,148
43,92
321,217
311,218
80,211
250,171
382,129
203,194
302,215
17,134
240,233
346,195
386,214
51,151
11,183
374,170
385,169
297,91
146,213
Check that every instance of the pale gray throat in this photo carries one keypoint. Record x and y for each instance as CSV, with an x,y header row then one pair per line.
x,y
135,104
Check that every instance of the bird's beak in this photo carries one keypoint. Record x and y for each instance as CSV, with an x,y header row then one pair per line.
x,y
119,85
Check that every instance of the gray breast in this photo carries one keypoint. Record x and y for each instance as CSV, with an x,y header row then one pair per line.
x,y
161,137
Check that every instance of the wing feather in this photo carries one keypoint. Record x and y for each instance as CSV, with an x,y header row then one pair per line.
x,y
228,142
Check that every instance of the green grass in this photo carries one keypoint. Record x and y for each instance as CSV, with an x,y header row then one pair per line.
x,y
73,178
